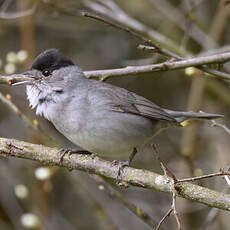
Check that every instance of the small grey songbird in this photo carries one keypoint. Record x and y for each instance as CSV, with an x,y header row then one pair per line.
x,y
99,117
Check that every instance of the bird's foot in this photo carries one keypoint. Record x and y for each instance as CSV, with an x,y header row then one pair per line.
x,y
121,165
70,151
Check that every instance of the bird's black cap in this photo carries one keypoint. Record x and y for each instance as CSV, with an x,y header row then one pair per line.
x,y
51,60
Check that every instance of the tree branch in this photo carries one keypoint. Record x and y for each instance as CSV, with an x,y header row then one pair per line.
x,y
133,28
165,66
95,165
111,10
9,80
149,42
133,70
224,127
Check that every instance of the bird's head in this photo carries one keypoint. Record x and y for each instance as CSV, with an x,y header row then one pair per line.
x,y
50,75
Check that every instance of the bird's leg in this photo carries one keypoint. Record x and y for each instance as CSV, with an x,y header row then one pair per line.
x,y
70,151
122,164
132,155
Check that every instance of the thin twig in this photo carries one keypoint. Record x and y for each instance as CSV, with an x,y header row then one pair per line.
x,y
133,28
173,14
224,127
175,181
118,15
9,80
167,214
97,17
145,47
165,66
149,42
16,15
227,180
153,46
25,119
192,179
168,172
174,206
5,5
165,169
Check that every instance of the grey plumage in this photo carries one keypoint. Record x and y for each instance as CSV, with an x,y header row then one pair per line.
x,y
97,116
182,116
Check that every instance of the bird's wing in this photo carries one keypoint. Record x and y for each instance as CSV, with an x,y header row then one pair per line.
x,y
124,101
148,109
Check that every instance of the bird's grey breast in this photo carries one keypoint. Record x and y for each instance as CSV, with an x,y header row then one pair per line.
x,y
70,113
103,126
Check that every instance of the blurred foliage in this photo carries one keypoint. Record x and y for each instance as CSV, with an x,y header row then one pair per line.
x,y
72,200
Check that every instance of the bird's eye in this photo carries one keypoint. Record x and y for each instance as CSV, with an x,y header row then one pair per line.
x,y
46,72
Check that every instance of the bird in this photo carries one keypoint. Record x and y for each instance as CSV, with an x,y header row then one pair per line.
x,y
97,116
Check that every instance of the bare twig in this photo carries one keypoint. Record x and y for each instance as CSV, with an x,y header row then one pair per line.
x,y
219,74
149,48
165,66
227,179
128,30
165,169
192,179
148,42
152,45
95,165
222,49
174,188
16,15
174,205
177,17
13,108
5,5
24,118
111,10
163,218
189,137
134,28
168,172
224,127
9,80
175,181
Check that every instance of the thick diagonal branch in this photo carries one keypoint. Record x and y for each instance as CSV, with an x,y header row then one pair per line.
x,y
95,165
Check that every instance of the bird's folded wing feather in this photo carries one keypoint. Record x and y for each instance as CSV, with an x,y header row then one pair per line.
x,y
122,100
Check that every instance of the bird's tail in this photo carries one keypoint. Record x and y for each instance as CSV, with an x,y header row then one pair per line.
x,y
183,116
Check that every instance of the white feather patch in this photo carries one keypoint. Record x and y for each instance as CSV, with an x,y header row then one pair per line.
x,y
35,95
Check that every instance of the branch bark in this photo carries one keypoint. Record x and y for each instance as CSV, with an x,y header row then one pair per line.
x,y
165,66
133,70
96,165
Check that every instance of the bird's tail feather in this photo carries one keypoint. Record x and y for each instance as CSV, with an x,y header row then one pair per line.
x,y
183,116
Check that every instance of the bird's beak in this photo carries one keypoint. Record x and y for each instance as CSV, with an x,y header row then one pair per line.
x,y
25,78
